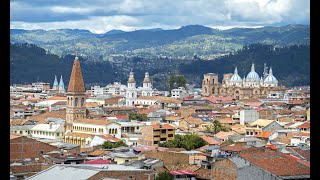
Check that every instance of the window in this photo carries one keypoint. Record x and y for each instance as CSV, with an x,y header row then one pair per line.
x,y
58,134
247,133
155,142
82,102
163,139
170,135
251,133
163,131
76,102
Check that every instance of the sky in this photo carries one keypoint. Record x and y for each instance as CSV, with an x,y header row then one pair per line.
x,y
100,16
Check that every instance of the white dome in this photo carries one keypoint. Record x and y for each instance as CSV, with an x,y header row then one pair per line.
x,y
253,76
270,79
235,78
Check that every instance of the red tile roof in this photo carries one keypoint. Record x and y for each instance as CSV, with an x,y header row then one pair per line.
x,y
216,99
305,125
265,134
276,163
210,140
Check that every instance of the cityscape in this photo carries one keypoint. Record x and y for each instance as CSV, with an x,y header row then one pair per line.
x,y
141,101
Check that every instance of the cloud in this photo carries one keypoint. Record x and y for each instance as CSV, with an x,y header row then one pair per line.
x,y
101,16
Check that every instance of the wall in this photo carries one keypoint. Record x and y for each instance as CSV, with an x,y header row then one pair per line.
x,y
167,157
23,147
123,175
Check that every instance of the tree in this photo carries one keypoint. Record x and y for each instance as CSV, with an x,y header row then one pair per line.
x,y
188,142
217,127
110,145
139,117
164,176
176,81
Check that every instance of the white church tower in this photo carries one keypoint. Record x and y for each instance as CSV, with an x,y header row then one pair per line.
x,y
147,86
131,94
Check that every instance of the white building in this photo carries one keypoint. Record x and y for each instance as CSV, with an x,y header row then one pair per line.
x,y
47,131
248,116
179,93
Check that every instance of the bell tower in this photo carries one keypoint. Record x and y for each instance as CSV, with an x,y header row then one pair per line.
x,y
76,98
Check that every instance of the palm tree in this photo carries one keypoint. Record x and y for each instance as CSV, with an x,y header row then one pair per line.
x,y
217,126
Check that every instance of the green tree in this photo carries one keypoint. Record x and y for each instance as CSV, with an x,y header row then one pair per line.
x,y
164,176
139,117
188,142
110,145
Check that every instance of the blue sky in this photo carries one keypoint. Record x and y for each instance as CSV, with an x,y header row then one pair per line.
x,y
100,16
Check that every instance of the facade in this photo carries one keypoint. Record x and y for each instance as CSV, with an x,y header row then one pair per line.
x,y
233,85
181,92
262,125
155,133
248,116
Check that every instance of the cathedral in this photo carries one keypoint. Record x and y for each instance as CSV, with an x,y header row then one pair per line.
x,y
251,86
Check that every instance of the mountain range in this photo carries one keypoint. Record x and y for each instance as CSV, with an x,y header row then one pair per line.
x,y
183,43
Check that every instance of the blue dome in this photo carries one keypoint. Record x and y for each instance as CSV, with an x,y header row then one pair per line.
x,y
253,76
236,78
270,79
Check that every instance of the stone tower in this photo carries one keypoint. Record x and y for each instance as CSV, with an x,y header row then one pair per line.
x,y
147,86
76,98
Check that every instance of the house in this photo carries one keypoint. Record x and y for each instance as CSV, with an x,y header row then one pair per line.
x,y
100,139
223,136
93,171
305,127
262,125
226,121
256,164
239,129
22,147
300,138
190,122
47,131
155,133
211,140
122,157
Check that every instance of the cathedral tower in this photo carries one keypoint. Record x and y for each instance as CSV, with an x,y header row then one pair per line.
x,y
55,83
76,98
147,86
131,94
61,86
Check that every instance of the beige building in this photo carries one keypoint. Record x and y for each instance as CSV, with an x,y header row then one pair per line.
x,y
233,85
155,133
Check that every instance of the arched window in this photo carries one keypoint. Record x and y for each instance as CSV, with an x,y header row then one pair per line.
x,y
132,94
109,131
76,102
116,131
82,102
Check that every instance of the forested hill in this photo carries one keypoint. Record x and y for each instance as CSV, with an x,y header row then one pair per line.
x,y
290,65
29,63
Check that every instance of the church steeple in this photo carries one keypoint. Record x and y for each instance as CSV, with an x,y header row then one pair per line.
x,y
61,85
76,83
55,83
76,98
